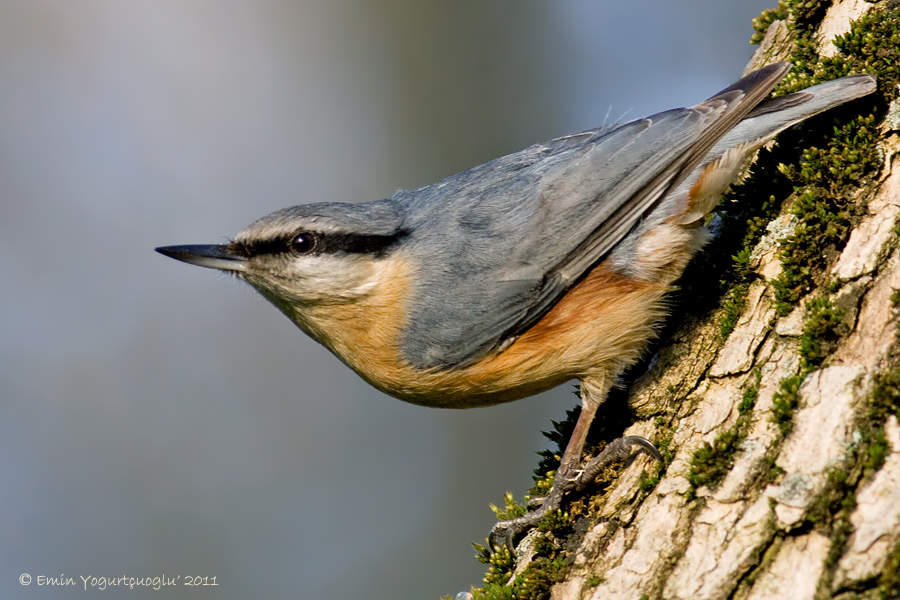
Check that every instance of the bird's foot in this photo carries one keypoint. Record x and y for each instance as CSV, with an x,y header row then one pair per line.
x,y
621,448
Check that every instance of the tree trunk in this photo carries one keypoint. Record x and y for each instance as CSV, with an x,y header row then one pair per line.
x,y
777,412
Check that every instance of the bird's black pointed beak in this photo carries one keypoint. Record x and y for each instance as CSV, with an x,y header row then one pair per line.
x,y
209,255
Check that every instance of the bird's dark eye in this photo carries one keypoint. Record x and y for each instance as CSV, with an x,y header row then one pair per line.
x,y
305,242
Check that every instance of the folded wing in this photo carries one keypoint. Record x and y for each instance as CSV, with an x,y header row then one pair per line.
x,y
510,237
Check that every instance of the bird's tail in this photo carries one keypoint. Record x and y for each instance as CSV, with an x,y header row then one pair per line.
x,y
699,193
774,115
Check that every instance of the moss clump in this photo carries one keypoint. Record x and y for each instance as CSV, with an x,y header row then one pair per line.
x,y
511,509
837,496
886,394
830,514
535,581
850,156
711,462
733,305
806,14
785,402
871,46
878,449
648,483
547,567
895,299
823,226
768,16
826,179
800,14
735,300
885,402
500,561
664,445
822,330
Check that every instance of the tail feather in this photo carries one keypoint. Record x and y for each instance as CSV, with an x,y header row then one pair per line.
x,y
701,191
774,115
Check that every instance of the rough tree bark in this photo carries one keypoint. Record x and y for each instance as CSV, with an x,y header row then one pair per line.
x,y
780,428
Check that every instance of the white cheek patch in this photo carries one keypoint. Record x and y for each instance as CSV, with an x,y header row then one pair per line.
x,y
325,278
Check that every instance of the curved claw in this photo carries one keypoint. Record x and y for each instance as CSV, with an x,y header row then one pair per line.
x,y
500,532
644,444
506,532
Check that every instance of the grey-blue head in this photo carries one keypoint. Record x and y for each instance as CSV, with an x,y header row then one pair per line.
x,y
306,254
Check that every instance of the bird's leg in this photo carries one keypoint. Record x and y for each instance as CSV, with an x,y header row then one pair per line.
x,y
571,476
593,393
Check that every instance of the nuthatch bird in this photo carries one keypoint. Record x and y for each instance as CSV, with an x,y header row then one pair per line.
x,y
540,267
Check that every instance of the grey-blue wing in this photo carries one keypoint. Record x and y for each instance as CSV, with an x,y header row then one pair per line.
x,y
497,246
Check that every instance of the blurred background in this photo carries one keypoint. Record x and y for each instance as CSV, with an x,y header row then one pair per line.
x,y
158,419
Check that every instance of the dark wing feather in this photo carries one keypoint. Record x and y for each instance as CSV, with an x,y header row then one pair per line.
x,y
497,246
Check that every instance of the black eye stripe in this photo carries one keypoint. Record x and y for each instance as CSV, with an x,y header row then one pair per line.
x,y
353,243
314,242
249,249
